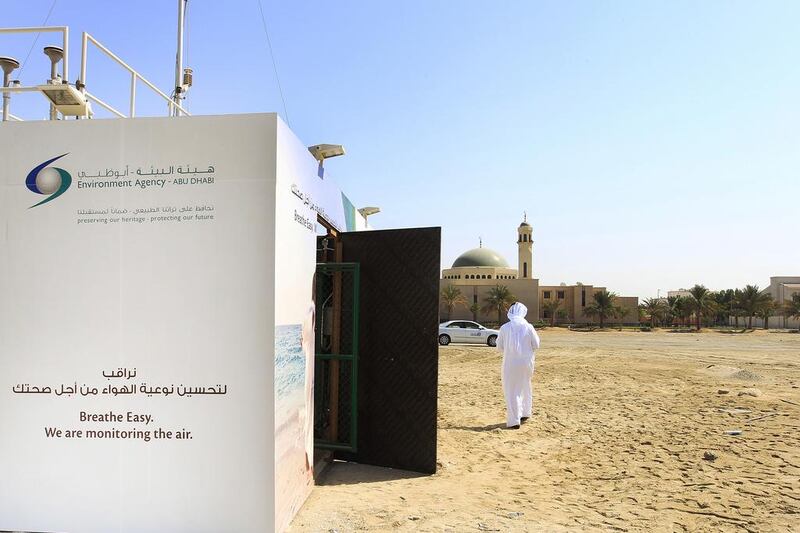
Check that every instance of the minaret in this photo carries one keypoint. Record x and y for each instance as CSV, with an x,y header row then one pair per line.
x,y
525,244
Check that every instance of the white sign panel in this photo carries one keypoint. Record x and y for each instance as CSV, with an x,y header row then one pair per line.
x,y
137,321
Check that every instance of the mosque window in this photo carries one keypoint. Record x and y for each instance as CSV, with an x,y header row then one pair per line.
x,y
546,295
489,276
525,269
560,295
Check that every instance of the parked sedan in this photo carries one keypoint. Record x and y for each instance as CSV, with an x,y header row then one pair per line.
x,y
466,331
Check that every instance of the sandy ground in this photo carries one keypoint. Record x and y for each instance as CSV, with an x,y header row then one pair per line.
x,y
621,423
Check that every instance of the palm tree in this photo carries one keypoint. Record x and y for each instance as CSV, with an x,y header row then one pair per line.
x,y
602,307
724,303
672,309
499,299
791,308
736,306
682,309
655,308
766,310
551,308
474,308
751,301
590,312
702,302
620,313
451,297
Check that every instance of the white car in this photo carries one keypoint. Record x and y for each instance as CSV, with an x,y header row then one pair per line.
x,y
466,331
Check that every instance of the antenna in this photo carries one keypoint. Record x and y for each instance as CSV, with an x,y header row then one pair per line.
x,y
183,76
55,54
9,65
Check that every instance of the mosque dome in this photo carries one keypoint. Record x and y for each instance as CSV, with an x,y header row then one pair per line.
x,y
480,257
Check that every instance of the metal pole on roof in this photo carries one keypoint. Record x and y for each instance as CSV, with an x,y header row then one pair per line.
x,y
179,58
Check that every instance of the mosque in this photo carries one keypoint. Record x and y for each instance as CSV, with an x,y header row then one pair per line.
x,y
477,271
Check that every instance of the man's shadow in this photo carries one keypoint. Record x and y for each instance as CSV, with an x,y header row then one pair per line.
x,y
490,427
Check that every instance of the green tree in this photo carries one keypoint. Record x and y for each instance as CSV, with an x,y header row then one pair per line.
x,y
499,299
672,310
682,309
451,297
791,308
551,308
702,302
766,310
724,304
751,300
736,306
655,309
602,307
474,308
620,313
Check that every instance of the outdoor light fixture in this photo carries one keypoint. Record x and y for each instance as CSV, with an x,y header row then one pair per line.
x,y
326,151
67,99
367,211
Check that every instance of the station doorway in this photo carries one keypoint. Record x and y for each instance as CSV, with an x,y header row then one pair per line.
x,y
376,361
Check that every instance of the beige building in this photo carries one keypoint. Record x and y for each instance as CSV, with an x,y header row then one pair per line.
x,y
685,293
781,288
477,271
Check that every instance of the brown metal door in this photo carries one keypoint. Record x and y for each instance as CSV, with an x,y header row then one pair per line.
x,y
398,359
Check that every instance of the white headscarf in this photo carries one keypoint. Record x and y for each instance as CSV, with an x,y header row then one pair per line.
x,y
517,311
516,333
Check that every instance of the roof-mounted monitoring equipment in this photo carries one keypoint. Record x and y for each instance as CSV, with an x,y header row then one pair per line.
x,y
55,54
68,100
326,151
9,65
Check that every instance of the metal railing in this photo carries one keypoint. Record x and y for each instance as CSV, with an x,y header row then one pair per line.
x,y
135,76
86,39
64,30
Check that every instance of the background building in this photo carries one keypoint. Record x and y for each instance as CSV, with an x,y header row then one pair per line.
x,y
476,272
781,288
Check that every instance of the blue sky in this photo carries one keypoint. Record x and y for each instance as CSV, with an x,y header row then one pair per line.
x,y
654,145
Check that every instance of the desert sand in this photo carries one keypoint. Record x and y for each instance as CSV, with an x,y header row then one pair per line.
x,y
622,422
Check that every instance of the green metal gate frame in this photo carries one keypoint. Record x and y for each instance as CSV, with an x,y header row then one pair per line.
x,y
355,268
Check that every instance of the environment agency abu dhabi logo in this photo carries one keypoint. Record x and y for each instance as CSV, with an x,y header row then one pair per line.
x,y
48,180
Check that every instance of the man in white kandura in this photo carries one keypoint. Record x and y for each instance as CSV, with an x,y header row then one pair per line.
x,y
518,341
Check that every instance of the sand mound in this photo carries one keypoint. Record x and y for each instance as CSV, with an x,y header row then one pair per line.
x,y
745,375
731,372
